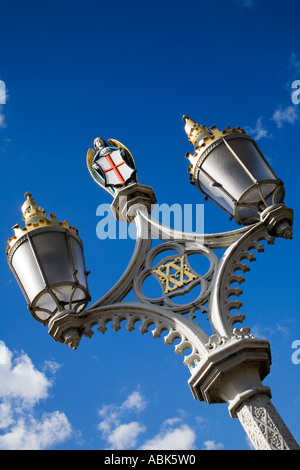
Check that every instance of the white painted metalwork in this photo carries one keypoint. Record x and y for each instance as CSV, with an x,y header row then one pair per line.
x,y
227,364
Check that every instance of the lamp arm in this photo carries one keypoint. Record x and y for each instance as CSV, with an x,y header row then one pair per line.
x,y
146,229
124,284
238,243
68,328
213,240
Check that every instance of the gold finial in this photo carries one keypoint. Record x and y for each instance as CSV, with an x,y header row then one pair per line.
x,y
195,132
34,217
32,213
202,138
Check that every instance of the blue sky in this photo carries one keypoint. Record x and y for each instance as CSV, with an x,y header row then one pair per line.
x,y
129,71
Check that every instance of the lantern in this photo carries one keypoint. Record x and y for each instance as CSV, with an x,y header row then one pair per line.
x,y
47,259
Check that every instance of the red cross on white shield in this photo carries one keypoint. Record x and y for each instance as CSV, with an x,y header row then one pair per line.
x,y
115,168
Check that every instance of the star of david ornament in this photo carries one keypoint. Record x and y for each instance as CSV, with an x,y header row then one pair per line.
x,y
175,274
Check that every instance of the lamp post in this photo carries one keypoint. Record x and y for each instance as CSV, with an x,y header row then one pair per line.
x,y
228,365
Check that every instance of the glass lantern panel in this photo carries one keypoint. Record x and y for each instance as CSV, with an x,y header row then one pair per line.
x,y
53,254
215,193
276,197
78,260
253,196
79,294
227,171
245,213
63,293
26,267
43,316
252,159
47,302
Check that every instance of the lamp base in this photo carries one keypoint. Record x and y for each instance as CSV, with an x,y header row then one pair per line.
x,y
232,373
65,327
130,198
279,220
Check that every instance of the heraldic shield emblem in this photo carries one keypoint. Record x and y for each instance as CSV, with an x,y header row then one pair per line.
x,y
112,166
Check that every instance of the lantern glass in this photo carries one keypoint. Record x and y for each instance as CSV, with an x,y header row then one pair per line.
x,y
47,304
25,265
252,158
78,259
236,176
50,268
53,255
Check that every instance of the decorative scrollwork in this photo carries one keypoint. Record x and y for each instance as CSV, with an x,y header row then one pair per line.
x,y
190,335
180,264
264,426
221,318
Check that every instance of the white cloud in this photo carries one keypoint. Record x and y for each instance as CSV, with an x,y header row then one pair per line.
x,y
6,415
212,445
179,438
258,131
288,114
31,434
171,422
283,329
174,434
51,366
117,434
135,401
22,386
281,116
121,433
125,436
20,379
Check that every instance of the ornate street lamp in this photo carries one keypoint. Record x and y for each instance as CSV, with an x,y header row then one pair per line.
x,y
230,169
227,365
46,257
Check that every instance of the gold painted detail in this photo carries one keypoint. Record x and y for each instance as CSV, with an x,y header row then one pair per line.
x,y
174,274
216,134
35,217
194,131
210,136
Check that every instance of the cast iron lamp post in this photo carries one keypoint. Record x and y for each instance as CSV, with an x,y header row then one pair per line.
x,y
46,257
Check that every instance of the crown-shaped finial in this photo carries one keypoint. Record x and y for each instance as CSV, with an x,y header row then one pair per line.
x,y
195,132
31,211
35,218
